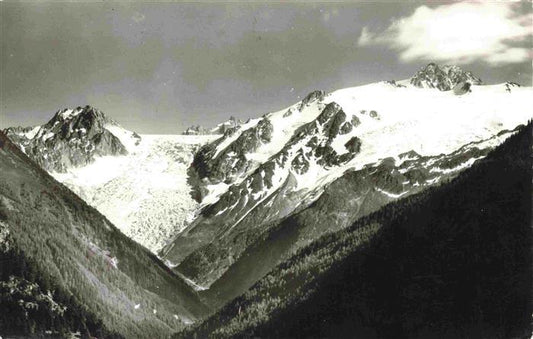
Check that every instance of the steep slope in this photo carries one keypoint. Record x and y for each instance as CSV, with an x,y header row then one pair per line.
x,y
72,138
269,168
138,182
355,194
452,261
443,78
65,267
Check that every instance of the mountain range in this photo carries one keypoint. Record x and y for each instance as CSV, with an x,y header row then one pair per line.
x,y
453,261
222,216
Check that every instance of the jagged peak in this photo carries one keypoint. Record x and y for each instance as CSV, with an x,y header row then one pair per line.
x,y
314,95
443,77
87,113
73,137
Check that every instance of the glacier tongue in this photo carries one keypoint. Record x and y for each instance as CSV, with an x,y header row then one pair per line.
x,y
145,193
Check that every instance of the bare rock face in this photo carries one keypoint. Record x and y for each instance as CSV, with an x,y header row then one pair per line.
x,y
230,125
444,78
510,85
241,212
313,96
353,145
71,138
300,164
461,88
196,130
231,162
393,83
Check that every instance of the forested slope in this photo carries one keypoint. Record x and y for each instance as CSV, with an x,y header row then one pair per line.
x,y
452,261
65,268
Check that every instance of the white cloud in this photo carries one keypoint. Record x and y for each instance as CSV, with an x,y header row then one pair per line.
x,y
458,33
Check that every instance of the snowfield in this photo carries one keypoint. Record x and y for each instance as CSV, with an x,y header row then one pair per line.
x,y
427,121
407,118
145,193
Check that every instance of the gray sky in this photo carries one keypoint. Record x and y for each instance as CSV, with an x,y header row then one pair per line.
x,y
160,67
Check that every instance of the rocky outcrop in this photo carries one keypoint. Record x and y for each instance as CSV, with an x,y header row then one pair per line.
x,y
393,83
353,145
462,88
222,128
355,194
196,130
443,78
231,162
313,96
509,85
72,138
240,212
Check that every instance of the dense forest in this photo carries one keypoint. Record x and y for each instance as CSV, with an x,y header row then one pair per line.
x,y
34,305
453,261
66,269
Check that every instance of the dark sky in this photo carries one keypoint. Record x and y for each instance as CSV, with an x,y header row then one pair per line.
x,y
160,67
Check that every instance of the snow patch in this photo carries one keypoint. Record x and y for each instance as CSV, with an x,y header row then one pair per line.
x,y
191,283
32,133
126,137
392,195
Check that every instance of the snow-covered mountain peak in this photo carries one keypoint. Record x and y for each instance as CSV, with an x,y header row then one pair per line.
x,y
410,119
443,78
138,182
395,137
87,116
145,184
72,138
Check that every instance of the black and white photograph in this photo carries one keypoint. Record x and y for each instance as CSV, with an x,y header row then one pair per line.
x,y
266,169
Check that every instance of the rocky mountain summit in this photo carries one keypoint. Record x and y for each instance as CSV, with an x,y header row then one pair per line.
x,y
138,183
362,150
443,78
72,138
230,163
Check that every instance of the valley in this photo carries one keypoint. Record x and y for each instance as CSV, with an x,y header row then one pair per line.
x,y
190,234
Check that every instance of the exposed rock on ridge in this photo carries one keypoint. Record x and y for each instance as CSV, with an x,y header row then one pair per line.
x,y
71,138
443,78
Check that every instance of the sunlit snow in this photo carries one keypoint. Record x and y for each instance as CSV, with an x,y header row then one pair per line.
x,y
145,193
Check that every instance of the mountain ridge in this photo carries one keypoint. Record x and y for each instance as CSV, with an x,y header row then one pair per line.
x,y
247,184
430,265
71,138
209,208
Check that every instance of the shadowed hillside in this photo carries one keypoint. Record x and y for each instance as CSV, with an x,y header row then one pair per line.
x,y
66,269
453,261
